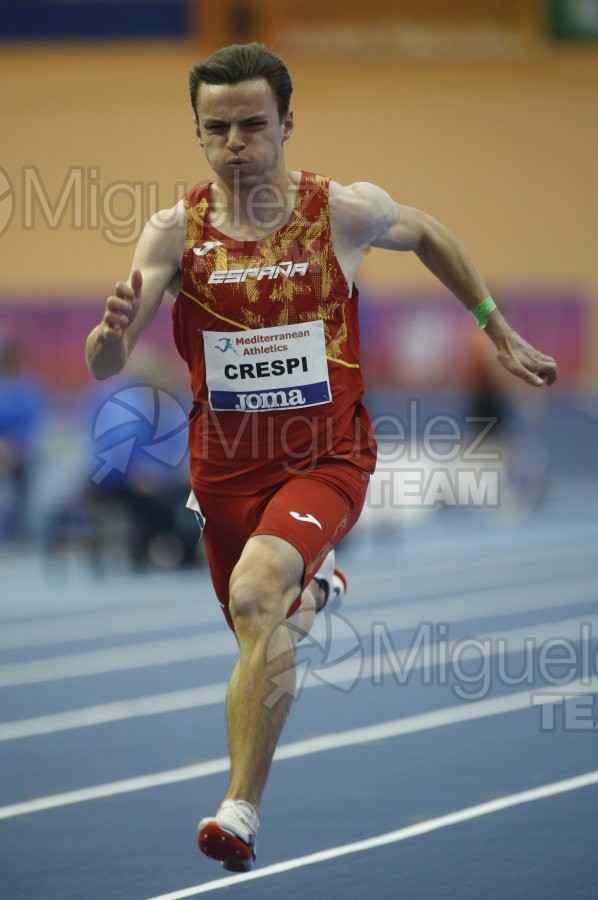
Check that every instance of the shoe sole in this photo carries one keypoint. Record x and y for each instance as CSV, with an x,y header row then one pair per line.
x,y
224,846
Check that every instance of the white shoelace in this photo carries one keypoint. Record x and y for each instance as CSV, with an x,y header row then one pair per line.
x,y
240,817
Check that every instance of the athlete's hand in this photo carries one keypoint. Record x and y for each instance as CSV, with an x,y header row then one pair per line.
x,y
121,308
523,360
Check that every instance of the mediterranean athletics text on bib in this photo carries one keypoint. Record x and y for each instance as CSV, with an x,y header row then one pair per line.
x,y
264,369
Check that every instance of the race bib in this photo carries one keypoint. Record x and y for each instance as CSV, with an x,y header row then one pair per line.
x,y
267,368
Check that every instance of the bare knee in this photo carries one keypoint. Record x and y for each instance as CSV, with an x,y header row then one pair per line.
x,y
258,599
264,583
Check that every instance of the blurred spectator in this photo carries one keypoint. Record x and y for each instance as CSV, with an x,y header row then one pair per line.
x,y
488,399
22,402
132,499
492,400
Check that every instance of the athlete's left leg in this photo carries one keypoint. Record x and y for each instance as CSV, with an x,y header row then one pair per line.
x,y
264,585
265,588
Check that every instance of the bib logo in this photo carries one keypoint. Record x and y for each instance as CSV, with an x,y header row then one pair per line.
x,y
280,399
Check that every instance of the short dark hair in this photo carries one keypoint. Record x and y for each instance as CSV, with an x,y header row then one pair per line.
x,y
242,62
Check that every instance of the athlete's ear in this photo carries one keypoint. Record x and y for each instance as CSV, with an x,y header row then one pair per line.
x,y
287,126
197,129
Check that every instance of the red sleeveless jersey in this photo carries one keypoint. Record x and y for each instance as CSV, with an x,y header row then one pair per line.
x,y
270,332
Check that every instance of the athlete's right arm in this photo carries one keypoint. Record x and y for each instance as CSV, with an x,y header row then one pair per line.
x,y
133,305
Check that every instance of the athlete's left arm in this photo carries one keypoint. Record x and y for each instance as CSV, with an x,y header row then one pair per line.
x,y
395,227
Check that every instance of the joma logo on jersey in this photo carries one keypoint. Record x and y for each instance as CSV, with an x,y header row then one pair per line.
x,y
237,276
282,399
206,247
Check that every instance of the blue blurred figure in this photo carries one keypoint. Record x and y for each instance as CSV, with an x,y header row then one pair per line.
x,y
22,402
138,464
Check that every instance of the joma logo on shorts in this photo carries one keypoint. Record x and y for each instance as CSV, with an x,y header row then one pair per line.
x,y
236,276
270,400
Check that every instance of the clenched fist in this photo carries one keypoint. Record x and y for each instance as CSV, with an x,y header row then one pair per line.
x,y
523,360
121,308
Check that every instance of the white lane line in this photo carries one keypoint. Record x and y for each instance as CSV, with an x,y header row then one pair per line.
x,y
154,592
118,711
476,604
400,615
118,659
119,623
509,571
417,586
332,741
375,667
552,789
93,595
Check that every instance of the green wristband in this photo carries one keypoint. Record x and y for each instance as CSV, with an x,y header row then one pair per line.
x,y
482,311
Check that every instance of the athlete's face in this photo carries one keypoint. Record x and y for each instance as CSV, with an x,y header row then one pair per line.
x,y
240,130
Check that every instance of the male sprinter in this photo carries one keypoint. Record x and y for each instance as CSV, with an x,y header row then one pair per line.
x,y
261,262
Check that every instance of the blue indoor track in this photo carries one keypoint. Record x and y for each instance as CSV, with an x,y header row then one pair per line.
x,y
443,742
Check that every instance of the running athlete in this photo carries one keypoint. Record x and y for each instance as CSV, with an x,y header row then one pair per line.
x,y
261,264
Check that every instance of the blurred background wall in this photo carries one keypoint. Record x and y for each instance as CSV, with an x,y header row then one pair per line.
x,y
481,112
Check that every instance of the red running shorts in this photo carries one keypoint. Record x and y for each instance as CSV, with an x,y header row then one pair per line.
x,y
312,510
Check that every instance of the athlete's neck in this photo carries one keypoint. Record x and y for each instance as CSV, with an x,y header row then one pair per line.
x,y
252,208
